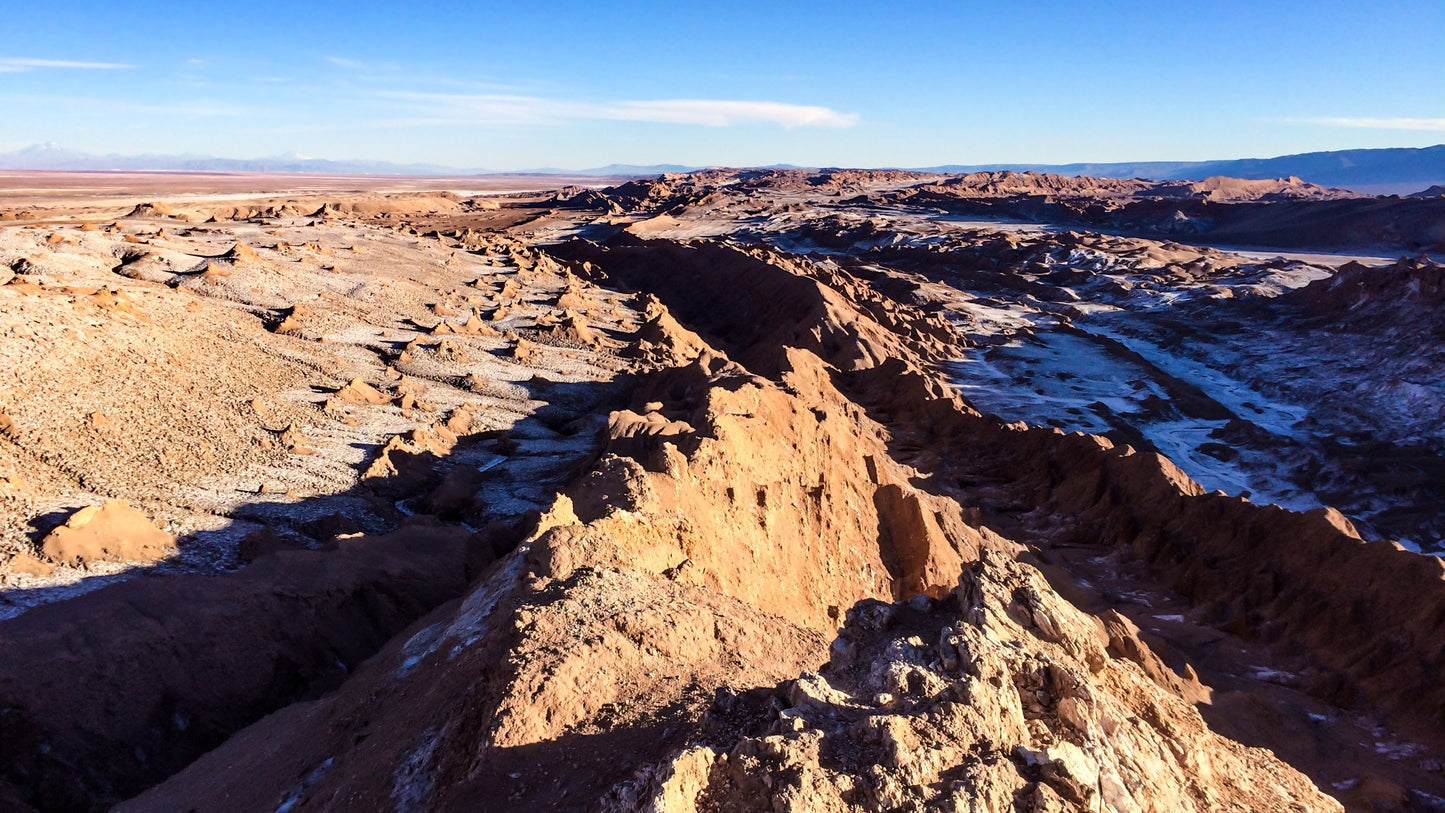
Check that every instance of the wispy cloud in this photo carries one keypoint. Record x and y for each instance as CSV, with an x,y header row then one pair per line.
x,y
498,109
14,64
349,64
1434,125
398,76
715,113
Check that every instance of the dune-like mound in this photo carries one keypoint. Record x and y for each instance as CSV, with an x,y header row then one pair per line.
x,y
475,325
482,204
153,209
295,322
653,225
111,532
573,297
145,265
573,329
359,392
241,254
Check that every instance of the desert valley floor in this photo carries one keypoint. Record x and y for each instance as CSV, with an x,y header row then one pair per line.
x,y
735,490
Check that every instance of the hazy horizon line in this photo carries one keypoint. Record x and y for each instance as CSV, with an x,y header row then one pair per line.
x,y
689,166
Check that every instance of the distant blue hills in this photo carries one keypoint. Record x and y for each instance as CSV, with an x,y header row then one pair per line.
x,y
1384,171
1379,171
53,157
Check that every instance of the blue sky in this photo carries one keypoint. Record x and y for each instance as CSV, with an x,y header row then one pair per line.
x,y
573,84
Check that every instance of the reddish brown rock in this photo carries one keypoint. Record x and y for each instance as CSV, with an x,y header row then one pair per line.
x,y
112,532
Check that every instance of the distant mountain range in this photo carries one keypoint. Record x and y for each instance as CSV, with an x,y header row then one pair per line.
x,y
615,170
53,157
1383,171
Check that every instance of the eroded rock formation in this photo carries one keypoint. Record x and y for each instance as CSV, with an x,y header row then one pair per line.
x,y
683,523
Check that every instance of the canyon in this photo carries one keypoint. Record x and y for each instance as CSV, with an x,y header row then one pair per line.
x,y
727,490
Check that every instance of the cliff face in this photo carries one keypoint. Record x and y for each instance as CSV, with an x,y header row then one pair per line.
x,y
709,524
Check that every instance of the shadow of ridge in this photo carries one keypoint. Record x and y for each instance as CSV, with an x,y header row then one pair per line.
x,y
567,772
107,693
370,506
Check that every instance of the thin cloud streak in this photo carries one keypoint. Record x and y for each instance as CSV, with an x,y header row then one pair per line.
x,y
713,113
12,64
503,109
350,64
1428,125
